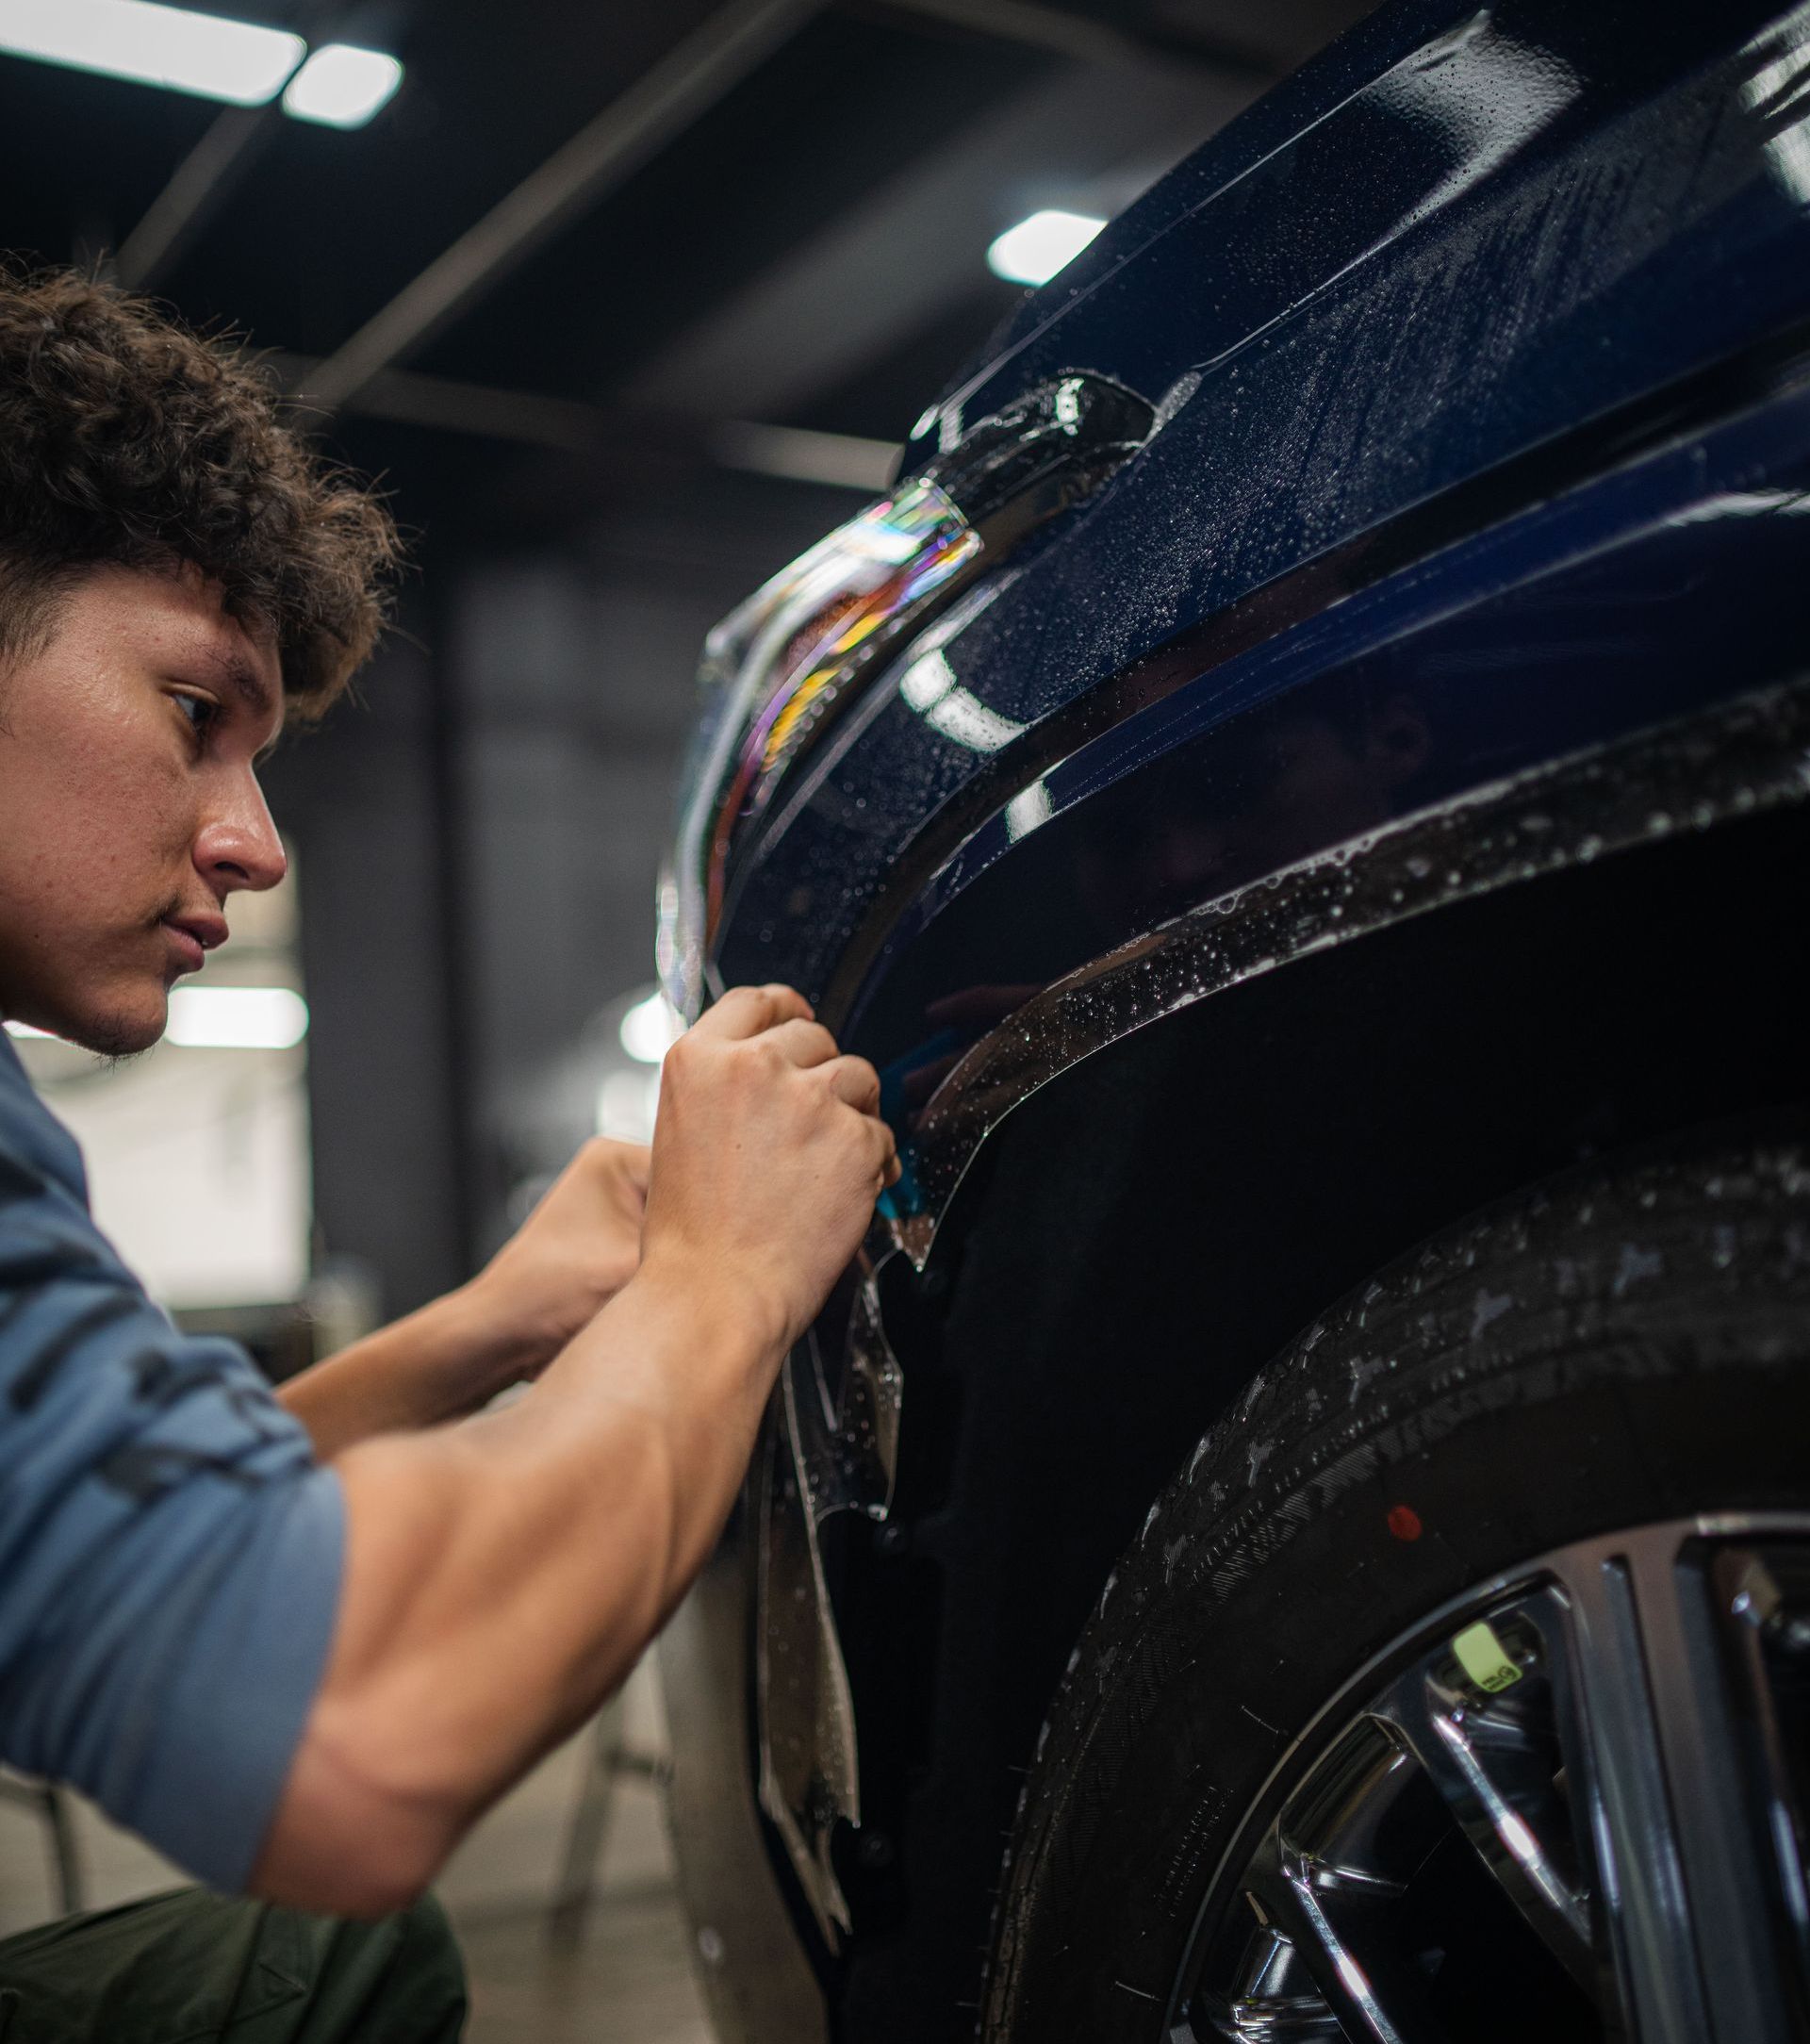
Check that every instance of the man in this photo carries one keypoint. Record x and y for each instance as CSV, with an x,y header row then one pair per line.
x,y
301,1642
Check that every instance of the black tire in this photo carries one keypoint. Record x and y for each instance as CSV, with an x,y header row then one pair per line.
x,y
1627,1345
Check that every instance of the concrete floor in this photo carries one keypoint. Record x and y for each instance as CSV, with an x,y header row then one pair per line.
x,y
623,1975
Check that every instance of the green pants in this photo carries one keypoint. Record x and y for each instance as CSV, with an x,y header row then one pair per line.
x,y
191,1967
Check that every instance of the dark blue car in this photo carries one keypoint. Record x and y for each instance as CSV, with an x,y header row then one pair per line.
x,y
1298,1526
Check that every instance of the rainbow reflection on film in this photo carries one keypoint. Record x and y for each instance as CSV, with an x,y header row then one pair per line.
x,y
803,637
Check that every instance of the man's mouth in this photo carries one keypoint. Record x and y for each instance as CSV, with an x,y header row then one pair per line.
x,y
193,936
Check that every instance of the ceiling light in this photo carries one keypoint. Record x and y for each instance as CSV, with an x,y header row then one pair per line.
x,y
237,1018
650,1030
343,87
237,61
1035,248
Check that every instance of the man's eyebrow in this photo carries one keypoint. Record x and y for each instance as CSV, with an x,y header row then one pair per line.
x,y
232,670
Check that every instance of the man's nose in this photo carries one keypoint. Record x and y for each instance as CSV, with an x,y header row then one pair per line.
x,y
237,849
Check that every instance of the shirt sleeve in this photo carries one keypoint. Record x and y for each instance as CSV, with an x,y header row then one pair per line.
x,y
170,1549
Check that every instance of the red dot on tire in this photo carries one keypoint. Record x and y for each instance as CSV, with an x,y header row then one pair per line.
x,y
1404,1522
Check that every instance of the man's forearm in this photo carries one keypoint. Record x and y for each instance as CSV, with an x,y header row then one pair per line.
x,y
503,1576
576,1250
439,1363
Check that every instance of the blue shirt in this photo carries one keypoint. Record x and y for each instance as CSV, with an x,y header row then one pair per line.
x,y
170,1549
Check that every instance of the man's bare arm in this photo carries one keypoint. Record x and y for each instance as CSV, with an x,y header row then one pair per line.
x,y
503,1577
572,1255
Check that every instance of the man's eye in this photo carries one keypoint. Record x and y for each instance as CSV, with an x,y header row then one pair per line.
x,y
201,712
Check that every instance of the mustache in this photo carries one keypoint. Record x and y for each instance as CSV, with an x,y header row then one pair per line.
x,y
176,907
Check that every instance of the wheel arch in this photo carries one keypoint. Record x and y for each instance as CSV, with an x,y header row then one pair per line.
x,y
1129,1244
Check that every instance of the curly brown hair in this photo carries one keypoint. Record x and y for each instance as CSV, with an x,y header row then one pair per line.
x,y
128,440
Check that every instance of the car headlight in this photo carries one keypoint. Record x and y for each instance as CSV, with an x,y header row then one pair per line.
x,y
777,671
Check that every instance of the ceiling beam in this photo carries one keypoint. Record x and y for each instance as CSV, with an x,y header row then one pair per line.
x,y
194,194
532,419
447,405
660,105
205,178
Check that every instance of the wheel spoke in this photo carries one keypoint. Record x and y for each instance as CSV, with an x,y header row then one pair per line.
x,y
1271,2002
1690,1858
1681,1861
1325,1882
1340,1937
1490,1748
1762,1600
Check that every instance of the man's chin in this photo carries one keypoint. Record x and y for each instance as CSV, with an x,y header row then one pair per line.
x,y
111,1033
120,1042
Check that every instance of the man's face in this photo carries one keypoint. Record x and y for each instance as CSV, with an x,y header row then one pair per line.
x,y
129,803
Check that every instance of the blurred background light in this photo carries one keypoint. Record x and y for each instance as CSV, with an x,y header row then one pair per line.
x,y
237,1018
343,87
204,54
25,1028
1037,248
649,1029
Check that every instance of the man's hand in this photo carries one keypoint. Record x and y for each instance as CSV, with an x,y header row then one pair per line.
x,y
573,1253
502,1577
768,1155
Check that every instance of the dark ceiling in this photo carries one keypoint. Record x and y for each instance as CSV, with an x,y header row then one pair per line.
x,y
724,213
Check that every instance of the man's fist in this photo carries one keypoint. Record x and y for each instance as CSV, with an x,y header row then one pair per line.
x,y
768,1154
574,1252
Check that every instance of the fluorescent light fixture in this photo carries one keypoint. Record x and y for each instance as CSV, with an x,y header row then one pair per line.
x,y
237,1018
650,1030
206,54
343,87
1035,248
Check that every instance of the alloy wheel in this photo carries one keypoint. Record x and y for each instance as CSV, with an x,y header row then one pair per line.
x,y
1571,1805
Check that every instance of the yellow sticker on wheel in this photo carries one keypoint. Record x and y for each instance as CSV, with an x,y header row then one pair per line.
x,y
1483,1659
